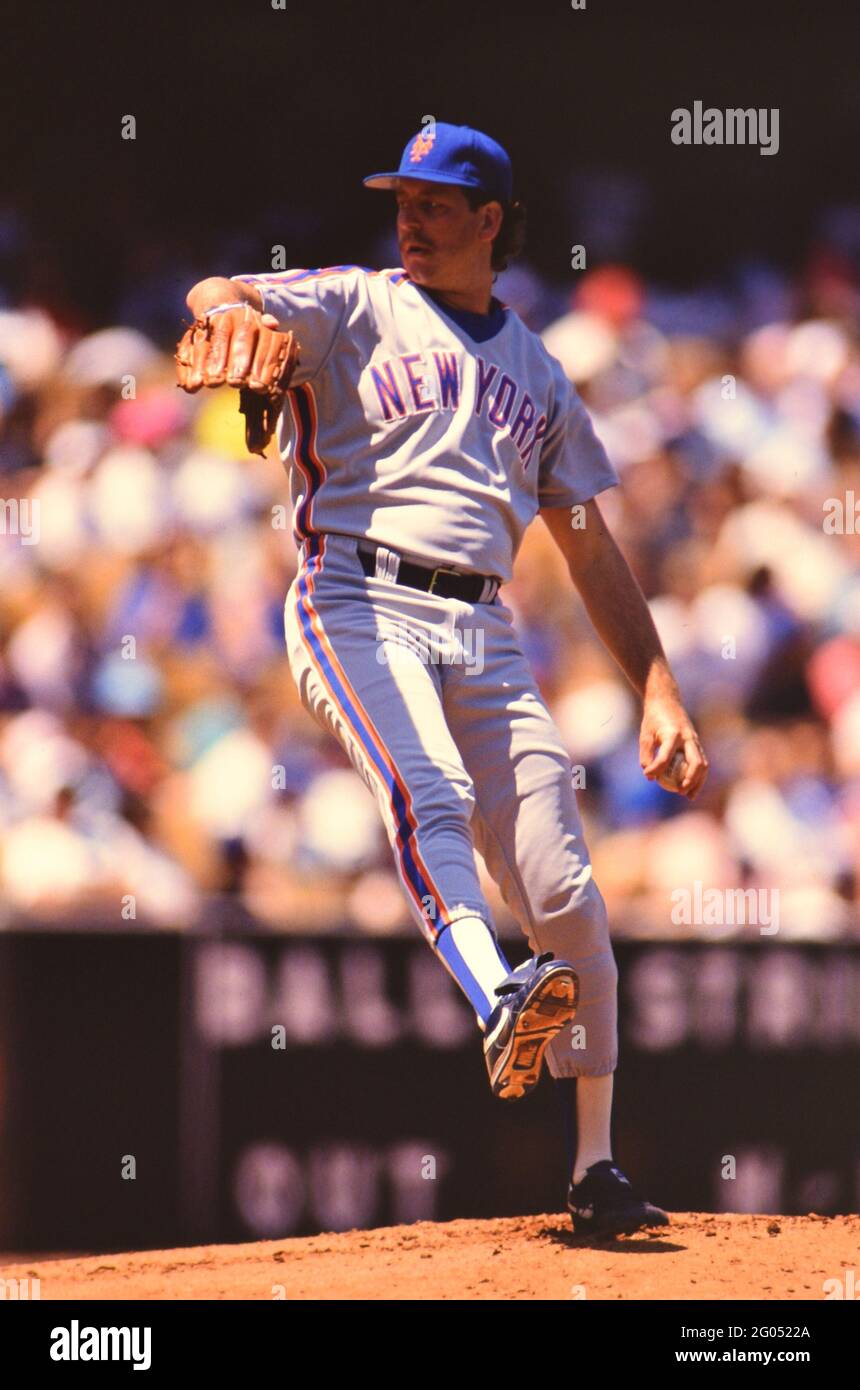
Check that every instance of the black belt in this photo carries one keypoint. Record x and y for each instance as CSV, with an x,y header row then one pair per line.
x,y
446,582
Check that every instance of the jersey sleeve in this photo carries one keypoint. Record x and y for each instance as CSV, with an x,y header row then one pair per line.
x,y
313,304
574,466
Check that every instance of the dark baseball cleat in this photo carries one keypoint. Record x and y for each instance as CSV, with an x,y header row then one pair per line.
x,y
535,1002
603,1204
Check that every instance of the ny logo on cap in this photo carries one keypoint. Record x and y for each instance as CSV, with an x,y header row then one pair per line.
x,y
421,145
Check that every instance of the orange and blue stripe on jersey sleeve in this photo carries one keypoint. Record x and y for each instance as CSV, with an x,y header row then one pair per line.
x,y
413,871
294,277
303,411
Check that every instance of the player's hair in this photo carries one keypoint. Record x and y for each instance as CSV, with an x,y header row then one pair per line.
x,y
511,236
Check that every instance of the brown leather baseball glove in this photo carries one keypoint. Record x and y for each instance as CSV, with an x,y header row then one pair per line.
x,y
237,346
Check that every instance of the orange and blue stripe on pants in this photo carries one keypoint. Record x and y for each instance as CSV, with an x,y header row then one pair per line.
x,y
428,899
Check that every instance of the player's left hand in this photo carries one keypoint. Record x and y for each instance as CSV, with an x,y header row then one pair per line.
x,y
669,747
234,344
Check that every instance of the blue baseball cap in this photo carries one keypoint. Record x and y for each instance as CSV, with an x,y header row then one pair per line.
x,y
442,153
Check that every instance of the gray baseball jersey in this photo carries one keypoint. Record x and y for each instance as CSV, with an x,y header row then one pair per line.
x,y
402,429
438,435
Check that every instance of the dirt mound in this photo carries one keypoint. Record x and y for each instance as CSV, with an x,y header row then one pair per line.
x,y
698,1256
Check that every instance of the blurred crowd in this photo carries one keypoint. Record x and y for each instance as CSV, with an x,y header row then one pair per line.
x,y
156,765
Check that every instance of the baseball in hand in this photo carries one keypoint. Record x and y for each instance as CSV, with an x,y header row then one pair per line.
x,y
675,773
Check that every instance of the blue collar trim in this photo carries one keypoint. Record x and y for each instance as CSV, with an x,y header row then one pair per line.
x,y
481,327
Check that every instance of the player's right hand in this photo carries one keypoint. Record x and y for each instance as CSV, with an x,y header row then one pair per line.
x,y
670,750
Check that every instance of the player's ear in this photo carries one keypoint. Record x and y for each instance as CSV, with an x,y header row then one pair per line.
x,y
491,220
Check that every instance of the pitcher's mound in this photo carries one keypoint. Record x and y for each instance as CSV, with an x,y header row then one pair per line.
x,y
698,1256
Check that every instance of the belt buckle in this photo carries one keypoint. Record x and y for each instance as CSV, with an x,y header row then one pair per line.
x,y
440,569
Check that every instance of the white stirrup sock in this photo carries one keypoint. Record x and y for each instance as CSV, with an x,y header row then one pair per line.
x,y
475,959
593,1121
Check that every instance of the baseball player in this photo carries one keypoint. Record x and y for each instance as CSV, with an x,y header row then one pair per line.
x,y
423,427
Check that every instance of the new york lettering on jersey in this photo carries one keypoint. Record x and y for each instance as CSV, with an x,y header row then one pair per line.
x,y
409,384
